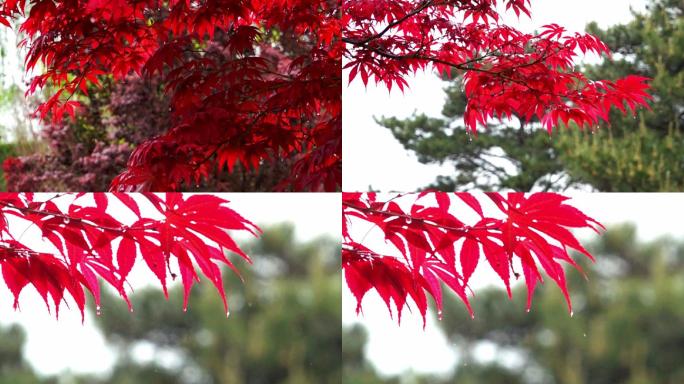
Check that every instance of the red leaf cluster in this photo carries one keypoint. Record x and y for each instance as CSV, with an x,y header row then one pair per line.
x,y
250,81
507,72
436,247
90,245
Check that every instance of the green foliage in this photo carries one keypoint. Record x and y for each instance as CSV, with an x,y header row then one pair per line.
x,y
13,368
501,158
6,150
644,154
626,326
613,161
9,95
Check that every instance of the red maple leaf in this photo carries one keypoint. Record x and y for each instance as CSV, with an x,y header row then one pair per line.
x,y
435,247
172,232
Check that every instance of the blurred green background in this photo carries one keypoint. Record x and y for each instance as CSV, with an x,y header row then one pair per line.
x,y
284,325
626,328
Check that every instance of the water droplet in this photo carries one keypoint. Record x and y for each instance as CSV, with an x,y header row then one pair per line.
x,y
527,310
185,309
227,314
439,314
98,310
572,313
130,309
409,220
585,335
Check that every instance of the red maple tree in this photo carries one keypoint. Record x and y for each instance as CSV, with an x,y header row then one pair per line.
x,y
169,232
506,72
249,80
435,246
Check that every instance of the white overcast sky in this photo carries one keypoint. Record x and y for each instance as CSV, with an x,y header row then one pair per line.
x,y
55,346
371,154
372,157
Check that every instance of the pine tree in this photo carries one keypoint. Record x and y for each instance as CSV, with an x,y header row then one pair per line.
x,y
643,154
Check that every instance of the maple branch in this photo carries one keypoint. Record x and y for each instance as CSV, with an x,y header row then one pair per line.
x,y
464,229
391,25
463,66
363,252
67,217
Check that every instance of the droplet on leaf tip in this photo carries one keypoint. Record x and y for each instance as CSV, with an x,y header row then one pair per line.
x,y
439,314
227,314
98,310
572,313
